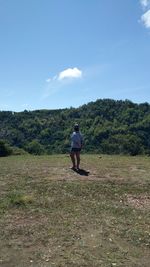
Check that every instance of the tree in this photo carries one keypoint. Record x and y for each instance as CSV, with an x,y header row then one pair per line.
x,y
108,126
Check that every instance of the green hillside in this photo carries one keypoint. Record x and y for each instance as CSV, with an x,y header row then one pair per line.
x,y
108,126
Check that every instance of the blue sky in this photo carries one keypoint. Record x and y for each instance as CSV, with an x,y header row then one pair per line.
x,y
62,53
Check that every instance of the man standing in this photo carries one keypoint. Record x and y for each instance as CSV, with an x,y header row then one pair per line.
x,y
76,146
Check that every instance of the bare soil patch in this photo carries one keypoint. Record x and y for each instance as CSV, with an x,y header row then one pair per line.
x,y
139,202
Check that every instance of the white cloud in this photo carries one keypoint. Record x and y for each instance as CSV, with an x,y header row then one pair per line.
x,y
145,3
63,78
70,73
145,18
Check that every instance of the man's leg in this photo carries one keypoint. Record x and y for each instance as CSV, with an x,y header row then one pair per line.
x,y
72,155
78,159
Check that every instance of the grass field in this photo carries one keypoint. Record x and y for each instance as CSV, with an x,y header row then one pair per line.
x,y
52,216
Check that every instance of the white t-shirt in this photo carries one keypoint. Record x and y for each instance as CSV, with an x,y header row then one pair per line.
x,y
76,140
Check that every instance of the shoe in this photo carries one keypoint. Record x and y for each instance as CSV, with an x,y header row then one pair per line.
x,y
73,168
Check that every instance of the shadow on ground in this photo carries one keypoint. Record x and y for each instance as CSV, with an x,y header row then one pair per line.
x,y
82,172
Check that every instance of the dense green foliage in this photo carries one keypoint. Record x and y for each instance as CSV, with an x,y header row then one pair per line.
x,y
108,126
5,149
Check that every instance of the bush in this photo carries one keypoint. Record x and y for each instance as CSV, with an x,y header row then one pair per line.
x,y
18,151
5,149
35,148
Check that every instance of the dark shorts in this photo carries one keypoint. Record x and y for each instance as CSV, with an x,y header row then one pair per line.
x,y
74,149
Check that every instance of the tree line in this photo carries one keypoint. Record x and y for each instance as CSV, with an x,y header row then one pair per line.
x,y
108,126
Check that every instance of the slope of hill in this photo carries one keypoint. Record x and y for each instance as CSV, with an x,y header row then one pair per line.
x,y
108,126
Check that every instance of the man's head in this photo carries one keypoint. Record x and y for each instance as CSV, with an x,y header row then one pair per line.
x,y
76,127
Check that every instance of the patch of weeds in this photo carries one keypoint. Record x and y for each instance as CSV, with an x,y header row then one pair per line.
x,y
19,199
15,199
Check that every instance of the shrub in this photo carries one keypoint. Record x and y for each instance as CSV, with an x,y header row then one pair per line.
x,y
5,149
35,148
18,151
